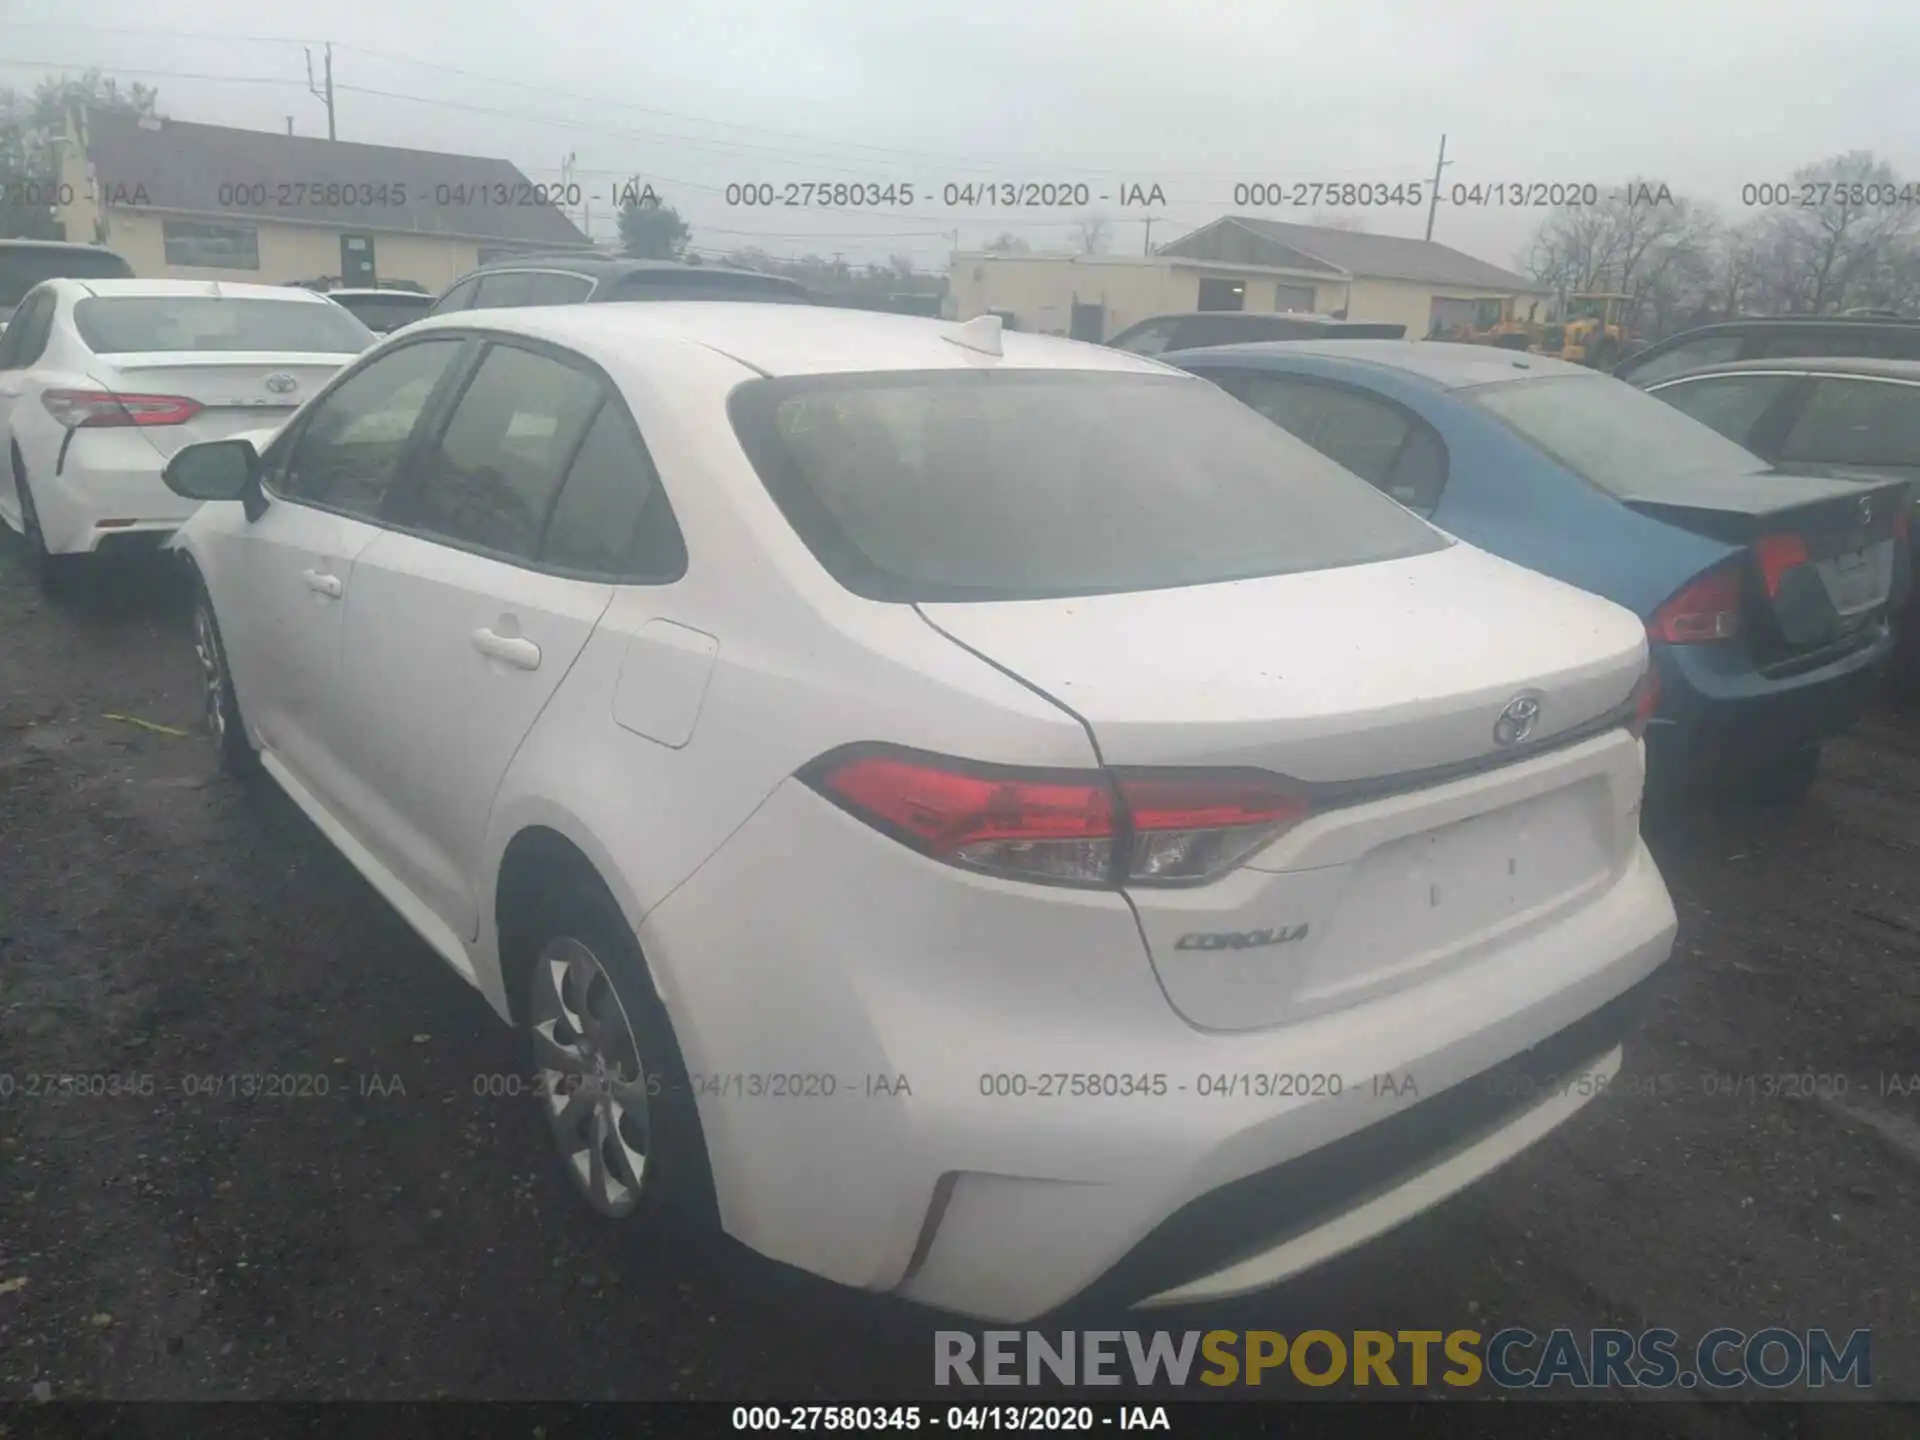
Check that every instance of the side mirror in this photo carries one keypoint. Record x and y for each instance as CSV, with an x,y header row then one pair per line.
x,y
216,470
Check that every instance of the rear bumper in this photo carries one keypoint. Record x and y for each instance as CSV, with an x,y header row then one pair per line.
x,y
1719,718
1002,1187
108,495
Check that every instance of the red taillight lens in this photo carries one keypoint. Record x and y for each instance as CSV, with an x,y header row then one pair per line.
x,y
1778,554
1073,827
102,409
1708,608
1646,700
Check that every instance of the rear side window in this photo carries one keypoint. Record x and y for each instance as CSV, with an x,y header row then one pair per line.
x,y
1148,339
489,479
612,518
1731,404
1857,422
1374,438
26,335
460,297
1708,350
1017,484
1611,435
1803,341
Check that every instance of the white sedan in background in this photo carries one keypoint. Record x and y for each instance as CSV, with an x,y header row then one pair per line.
x,y
101,381
986,817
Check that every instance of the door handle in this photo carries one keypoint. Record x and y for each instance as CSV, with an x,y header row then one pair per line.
x,y
328,585
520,653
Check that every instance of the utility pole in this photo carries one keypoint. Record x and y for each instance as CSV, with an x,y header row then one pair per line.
x,y
1434,203
327,94
1147,248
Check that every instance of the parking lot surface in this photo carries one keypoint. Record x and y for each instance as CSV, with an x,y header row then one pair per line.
x,y
364,1221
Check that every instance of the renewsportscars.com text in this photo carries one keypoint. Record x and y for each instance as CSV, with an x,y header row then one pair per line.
x,y
1512,1358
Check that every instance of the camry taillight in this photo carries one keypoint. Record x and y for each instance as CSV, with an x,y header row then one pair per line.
x,y
1072,827
101,409
1707,608
1646,700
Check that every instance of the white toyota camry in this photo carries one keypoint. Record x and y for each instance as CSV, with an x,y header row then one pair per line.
x,y
102,380
985,817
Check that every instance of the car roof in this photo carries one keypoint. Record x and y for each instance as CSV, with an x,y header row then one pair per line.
x,y
380,292
1806,365
209,289
15,243
1746,324
779,339
609,267
1310,317
1440,363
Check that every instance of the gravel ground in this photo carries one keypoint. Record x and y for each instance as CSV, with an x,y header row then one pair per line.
x,y
403,1237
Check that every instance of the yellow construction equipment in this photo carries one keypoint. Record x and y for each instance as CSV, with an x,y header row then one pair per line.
x,y
1595,329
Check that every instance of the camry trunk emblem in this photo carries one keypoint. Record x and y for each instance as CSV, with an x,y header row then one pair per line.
x,y
281,383
1517,721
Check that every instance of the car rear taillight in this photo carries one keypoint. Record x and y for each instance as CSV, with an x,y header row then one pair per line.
x,y
1777,554
1075,827
1706,608
1646,700
101,409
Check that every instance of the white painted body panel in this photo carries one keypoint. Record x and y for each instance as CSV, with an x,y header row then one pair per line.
x,y
787,937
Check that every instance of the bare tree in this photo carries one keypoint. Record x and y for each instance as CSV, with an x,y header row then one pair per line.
x,y
1092,233
1845,246
1339,222
1008,243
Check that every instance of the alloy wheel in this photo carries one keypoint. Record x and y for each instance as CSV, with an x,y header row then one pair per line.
x,y
213,672
593,1083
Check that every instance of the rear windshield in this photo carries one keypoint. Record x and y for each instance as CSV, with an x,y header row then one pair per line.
x,y
385,312
1024,484
1613,435
123,324
693,285
24,266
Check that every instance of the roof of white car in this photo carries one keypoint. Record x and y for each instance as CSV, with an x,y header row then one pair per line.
x,y
210,289
791,339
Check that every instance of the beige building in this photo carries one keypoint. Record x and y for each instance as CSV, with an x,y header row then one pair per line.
x,y
1240,263
205,202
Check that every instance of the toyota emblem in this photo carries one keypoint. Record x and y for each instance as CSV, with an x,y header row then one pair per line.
x,y
1517,721
281,383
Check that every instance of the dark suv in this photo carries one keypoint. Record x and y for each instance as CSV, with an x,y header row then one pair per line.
x,y
1200,328
25,263
581,278
1863,337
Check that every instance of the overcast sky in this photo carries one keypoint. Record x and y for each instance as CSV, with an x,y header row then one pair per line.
x,y
1192,95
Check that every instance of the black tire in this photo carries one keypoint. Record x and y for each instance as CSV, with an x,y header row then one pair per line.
x,y
675,1189
53,573
220,704
1785,783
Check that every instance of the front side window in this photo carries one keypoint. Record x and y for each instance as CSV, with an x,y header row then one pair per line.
x,y
146,324
1612,435
1857,422
211,247
352,441
1018,484
1731,404
550,289
490,478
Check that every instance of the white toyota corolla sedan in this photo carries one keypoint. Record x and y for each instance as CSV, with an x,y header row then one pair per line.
x,y
101,381
984,817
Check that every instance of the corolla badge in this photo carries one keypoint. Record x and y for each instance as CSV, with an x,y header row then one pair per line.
x,y
281,383
1518,721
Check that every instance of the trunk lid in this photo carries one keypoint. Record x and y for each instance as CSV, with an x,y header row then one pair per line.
x,y
1824,557
241,390
1326,676
1379,687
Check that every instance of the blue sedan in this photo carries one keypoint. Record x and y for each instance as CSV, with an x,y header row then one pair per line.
x,y
1766,594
